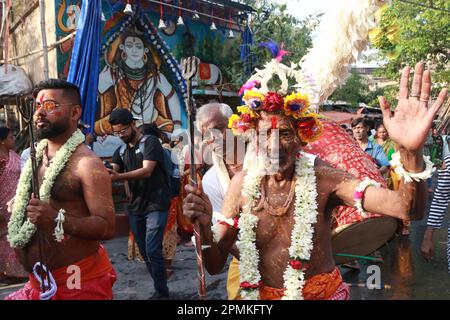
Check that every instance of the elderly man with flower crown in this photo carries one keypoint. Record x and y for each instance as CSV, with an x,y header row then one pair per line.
x,y
56,237
281,203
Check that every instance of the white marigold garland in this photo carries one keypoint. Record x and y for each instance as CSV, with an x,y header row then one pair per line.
x,y
249,256
20,232
409,176
305,215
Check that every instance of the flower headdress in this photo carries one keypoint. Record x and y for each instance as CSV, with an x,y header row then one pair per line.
x,y
257,98
317,75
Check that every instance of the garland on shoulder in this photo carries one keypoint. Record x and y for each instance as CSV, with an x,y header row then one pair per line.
x,y
20,232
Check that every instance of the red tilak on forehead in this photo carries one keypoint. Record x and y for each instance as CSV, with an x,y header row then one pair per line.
x,y
41,99
274,122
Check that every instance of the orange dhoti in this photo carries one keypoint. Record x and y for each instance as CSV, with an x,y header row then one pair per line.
x,y
97,277
324,286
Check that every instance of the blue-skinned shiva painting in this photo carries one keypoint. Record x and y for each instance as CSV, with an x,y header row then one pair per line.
x,y
139,63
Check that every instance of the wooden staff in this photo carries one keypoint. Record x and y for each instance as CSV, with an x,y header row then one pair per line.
x,y
190,67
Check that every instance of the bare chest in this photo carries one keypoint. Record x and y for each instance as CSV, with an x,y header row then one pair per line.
x,y
66,186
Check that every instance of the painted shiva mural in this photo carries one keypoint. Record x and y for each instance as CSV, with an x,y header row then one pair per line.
x,y
139,64
132,78
67,14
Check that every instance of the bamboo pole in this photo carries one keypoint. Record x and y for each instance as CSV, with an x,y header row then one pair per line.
x,y
44,38
18,20
2,28
50,47
7,32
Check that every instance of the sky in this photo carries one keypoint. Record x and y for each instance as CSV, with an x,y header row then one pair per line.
x,y
303,8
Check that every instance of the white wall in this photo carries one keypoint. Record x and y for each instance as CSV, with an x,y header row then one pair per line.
x,y
27,37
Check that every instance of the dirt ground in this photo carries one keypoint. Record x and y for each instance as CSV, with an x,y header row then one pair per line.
x,y
135,283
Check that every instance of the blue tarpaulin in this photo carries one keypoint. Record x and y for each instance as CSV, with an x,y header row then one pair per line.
x,y
246,55
84,65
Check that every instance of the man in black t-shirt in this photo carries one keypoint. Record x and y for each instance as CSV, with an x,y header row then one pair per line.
x,y
141,163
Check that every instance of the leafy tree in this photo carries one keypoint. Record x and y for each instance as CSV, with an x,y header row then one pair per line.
x,y
272,21
353,91
425,35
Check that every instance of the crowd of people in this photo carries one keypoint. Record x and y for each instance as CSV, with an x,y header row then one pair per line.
x,y
250,196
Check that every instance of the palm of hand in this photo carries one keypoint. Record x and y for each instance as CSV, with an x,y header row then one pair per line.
x,y
412,120
410,124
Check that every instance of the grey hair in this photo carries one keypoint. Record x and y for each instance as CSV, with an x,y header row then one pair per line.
x,y
207,109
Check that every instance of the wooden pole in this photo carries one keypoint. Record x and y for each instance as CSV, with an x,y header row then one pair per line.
x,y
190,66
50,47
44,38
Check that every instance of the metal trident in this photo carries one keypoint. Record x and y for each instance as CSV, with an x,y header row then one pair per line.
x,y
189,69
26,106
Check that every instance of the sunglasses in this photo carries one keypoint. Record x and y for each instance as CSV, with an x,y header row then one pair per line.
x,y
50,105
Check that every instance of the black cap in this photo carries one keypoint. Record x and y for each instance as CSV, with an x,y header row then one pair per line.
x,y
121,116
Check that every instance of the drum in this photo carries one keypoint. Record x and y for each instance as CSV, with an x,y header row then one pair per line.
x,y
352,234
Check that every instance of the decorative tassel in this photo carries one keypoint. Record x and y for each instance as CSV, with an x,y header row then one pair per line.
x,y
128,9
161,25
195,16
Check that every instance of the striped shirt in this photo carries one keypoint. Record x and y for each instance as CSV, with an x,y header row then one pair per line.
x,y
440,202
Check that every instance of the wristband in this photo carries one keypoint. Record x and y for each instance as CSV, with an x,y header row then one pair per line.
x,y
359,193
408,176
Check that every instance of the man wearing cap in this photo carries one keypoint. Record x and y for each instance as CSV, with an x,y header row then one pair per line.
x,y
141,163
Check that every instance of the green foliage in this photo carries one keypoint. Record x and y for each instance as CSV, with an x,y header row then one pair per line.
x,y
353,91
272,21
390,92
425,36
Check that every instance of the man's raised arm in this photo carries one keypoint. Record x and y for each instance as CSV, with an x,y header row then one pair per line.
x,y
408,127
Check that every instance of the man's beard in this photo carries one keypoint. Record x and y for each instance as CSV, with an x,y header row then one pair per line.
x,y
52,130
130,137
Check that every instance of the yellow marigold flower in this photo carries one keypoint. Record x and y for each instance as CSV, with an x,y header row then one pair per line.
x,y
231,121
296,104
253,99
246,110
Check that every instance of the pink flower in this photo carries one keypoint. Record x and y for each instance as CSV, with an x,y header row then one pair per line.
x,y
358,195
248,86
